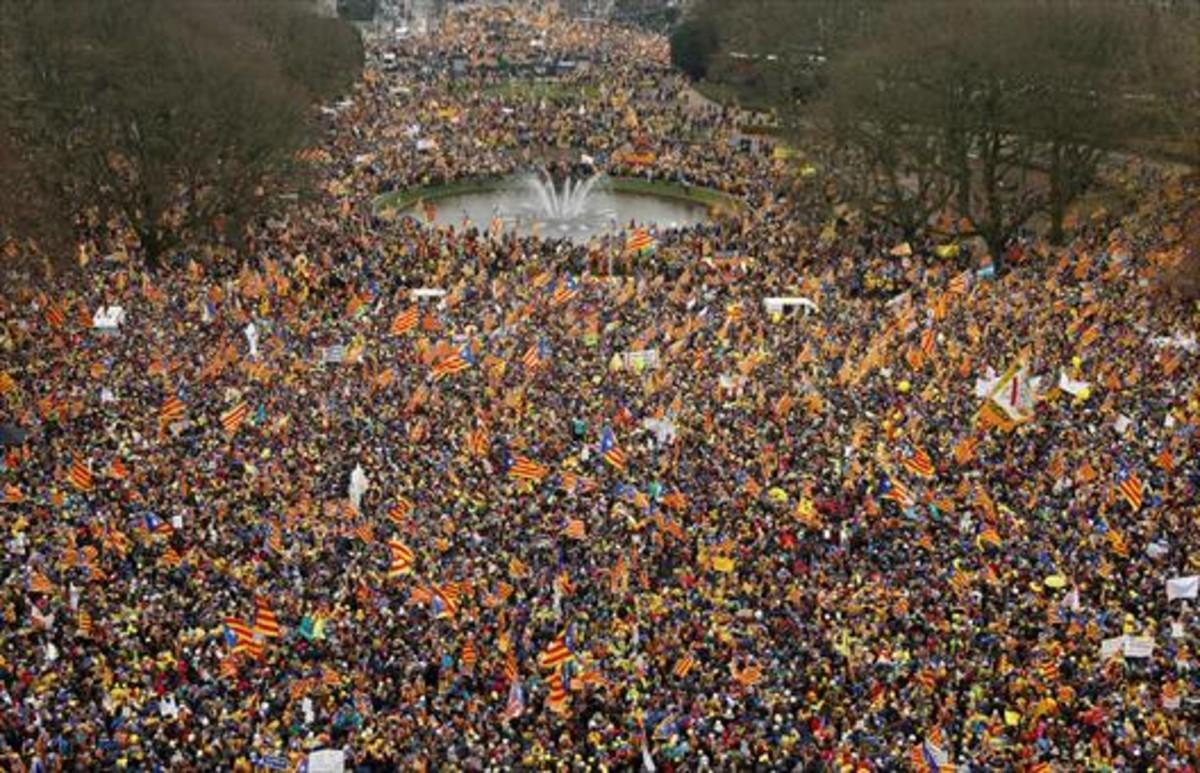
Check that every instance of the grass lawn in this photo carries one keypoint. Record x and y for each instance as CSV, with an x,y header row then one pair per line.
x,y
519,89
727,94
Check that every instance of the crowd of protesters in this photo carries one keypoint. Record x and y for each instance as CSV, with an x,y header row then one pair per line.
x,y
555,517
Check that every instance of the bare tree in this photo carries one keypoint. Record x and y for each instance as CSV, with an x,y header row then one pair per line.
x,y
1004,108
1166,71
178,117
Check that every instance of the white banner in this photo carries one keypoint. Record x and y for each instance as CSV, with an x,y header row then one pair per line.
x,y
108,317
1138,646
781,305
1070,385
1183,587
1110,648
327,761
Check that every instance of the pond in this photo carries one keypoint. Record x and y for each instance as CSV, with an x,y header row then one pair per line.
x,y
569,209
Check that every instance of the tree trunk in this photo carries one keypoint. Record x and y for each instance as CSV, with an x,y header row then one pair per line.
x,y
151,246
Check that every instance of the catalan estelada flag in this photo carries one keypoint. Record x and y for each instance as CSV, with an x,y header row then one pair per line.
x,y
919,463
1131,490
237,631
556,654
611,452
445,601
524,468
565,291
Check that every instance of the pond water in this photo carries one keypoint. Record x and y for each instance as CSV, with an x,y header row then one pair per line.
x,y
572,209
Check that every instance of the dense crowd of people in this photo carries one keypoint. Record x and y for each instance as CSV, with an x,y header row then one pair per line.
x,y
559,518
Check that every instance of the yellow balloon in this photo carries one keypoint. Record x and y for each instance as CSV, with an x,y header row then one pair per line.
x,y
904,386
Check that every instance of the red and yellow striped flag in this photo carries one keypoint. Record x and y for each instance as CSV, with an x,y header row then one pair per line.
x,y
117,470
684,665
675,501
172,410
55,316
265,622
40,583
450,366
1132,490
477,442
1116,541
524,468
232,419
928,341
964,450
402,558
919,463
557,700
80,475
511,672
83,623
748,676
405,322
469,656
400,511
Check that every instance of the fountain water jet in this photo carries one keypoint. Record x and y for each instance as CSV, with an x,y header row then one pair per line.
x,y
577,210
561,204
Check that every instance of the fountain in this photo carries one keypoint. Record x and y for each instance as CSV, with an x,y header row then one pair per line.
x,y
566,208
565,205
571,207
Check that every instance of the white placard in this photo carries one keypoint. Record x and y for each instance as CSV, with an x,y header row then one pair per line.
x,y
108,318
1110,648
780,305
1183,587
1138,646
327,761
